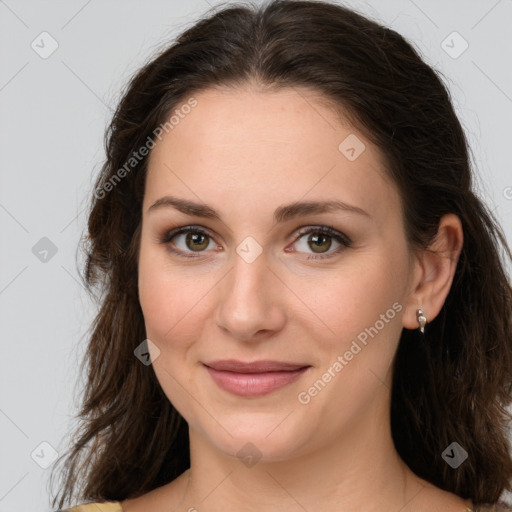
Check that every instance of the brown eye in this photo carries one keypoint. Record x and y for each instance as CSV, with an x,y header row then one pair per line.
x,y
187,240
319,242
196,241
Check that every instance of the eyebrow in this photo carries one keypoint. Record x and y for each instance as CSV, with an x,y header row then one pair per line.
x,y
282,213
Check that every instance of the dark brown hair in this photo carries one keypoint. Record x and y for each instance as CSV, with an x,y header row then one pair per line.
x,y
451,386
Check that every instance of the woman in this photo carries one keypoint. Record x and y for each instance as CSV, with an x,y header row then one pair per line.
x,y
303,305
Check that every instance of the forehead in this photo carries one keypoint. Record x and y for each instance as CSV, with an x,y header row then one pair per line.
x,y
250,146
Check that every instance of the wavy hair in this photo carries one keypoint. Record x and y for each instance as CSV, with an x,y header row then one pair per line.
x,y
453,384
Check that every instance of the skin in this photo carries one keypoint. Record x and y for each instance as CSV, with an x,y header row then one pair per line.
x,y
246,152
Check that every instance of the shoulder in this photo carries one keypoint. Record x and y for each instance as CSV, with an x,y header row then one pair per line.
x,y
97,506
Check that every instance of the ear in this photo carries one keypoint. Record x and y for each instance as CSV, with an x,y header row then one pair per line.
x,y
433,272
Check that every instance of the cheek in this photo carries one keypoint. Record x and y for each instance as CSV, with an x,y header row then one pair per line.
x,y
166,297
361,306
362,310
354,296
167,301
157,303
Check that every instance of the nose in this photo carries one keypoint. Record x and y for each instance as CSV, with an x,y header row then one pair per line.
x,y
250,301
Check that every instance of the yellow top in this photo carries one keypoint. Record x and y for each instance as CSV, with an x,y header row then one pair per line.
x,y
106,506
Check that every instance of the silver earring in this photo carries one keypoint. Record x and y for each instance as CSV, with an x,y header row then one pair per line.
x,y
422,320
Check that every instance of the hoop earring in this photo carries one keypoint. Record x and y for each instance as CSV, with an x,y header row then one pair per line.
x,y
422,320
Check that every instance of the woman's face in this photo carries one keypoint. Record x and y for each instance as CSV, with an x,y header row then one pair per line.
x,y
254,280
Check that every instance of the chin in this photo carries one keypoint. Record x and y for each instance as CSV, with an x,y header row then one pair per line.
x,y
265,441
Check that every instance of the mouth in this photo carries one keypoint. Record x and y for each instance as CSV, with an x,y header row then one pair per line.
x,y
254,379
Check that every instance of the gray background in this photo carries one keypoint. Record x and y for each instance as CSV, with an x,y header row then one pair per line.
x,y
53,114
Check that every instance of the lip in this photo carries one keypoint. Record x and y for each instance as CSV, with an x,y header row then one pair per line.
x,y
233,365
253,379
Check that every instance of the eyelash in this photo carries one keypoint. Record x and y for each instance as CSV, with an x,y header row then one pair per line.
x,y
325,230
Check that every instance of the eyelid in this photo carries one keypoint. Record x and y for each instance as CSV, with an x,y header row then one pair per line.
x,y
344,241
327,230
168,235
